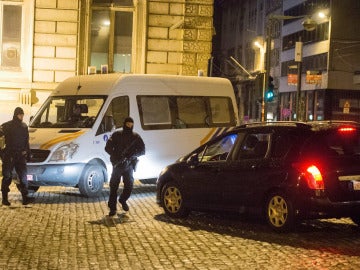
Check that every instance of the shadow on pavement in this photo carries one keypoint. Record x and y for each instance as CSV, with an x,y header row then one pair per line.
x,y
112,221
332,236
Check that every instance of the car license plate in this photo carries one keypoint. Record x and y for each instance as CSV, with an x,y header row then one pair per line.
x,y
356,185
29,177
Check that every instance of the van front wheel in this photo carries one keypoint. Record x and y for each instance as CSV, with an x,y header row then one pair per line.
x,y
92,180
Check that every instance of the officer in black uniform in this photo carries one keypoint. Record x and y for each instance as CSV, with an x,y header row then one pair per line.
x,y
15,155
124,147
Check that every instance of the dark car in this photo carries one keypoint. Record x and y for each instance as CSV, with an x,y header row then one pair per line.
x,y
285,171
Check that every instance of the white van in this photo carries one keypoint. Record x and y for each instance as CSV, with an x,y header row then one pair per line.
x,y
173,114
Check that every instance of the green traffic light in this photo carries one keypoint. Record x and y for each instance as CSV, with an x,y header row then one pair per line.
x,y
269,95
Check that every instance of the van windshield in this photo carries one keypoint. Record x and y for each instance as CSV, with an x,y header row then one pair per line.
x,y
68,112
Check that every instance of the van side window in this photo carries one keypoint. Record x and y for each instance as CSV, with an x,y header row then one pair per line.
x,y
191,110
220,108
179,112
119,110
154,110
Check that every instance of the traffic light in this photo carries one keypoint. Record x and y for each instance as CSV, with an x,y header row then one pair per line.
x,y
269,93
258,85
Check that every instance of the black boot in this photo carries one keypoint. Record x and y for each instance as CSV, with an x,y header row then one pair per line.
x,y
5,200
27,200
124,205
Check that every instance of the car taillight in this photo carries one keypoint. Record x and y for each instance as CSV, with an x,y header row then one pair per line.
x,y
312,175
314,178
346,130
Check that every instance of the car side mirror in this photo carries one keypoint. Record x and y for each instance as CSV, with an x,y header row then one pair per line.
x,y
193,160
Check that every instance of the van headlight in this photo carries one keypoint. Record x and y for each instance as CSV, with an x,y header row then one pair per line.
x,y
64,152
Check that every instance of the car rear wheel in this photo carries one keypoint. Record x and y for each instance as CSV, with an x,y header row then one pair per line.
x,y
356,219
279,212
173,201
92,180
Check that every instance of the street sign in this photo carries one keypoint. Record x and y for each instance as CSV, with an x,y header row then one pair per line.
x,y
292,79
298,51
313,77
346,108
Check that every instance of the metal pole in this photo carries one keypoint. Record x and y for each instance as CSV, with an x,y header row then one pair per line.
x,y
267,70
263,118
298,59
298,93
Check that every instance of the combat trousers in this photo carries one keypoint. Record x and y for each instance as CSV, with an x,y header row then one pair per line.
x,y
10,162
128,180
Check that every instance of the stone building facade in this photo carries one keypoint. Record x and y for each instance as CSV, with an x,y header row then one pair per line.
x,y
179,36
61,38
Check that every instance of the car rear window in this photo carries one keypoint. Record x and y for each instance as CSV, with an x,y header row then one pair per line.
x,y
334,142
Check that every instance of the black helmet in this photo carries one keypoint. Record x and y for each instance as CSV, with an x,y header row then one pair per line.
x,y
18,111
128,119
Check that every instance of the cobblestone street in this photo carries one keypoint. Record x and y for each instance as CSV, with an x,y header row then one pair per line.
x,y
64,230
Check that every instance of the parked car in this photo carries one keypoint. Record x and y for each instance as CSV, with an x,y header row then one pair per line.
x,y
285,171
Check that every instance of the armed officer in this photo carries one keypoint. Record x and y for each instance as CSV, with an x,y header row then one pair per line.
x,y
124,147
15,155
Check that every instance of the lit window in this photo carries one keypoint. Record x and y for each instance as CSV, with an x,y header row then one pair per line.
x,y
111,35
11,35
16,18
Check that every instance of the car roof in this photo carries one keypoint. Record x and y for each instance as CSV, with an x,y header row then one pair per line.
x,y
284,126
313,125
296,126
278,125
323,125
